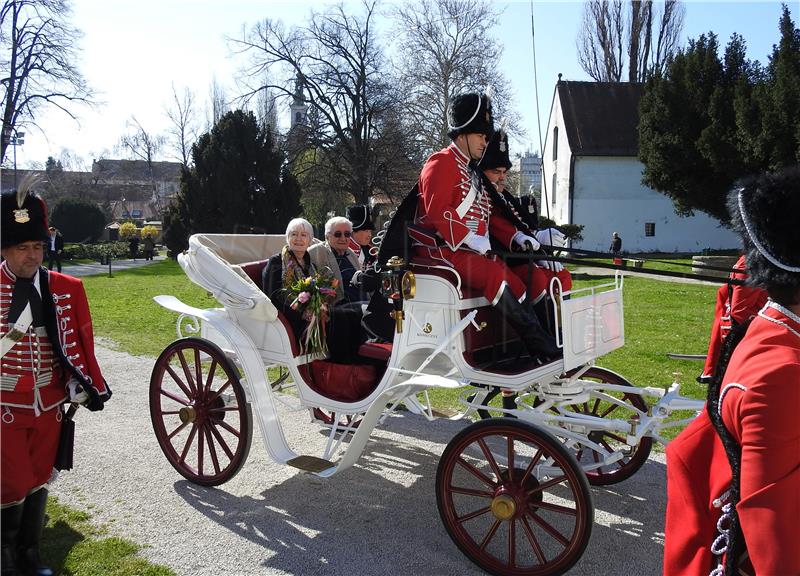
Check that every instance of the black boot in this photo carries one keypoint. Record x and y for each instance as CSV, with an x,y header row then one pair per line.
x,y
28,560
544,313
540,345
509,403
11,520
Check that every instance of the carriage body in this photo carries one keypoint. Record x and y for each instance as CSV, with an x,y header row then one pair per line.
x,y
207,389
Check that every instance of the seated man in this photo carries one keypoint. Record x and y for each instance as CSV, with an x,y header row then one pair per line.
x,y
361,240
495,165
457,213
336,255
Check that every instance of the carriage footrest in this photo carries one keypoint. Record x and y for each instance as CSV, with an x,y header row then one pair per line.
x,y
443,412
311,463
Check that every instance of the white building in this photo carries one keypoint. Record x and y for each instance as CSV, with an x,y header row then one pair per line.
x,y
592,176
529,166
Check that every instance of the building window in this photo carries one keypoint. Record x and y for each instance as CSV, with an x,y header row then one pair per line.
x,y
555,143
553,191
649,228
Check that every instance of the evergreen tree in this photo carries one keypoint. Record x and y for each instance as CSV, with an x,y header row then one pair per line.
x,y
234,186
78,220
709,121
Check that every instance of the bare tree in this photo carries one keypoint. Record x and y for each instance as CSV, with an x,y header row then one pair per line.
x,y
143,145
344,82
600,41
219,103
444,47
609,40
38,62
183,119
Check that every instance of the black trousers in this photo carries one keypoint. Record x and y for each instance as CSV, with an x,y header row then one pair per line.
x,y
53,257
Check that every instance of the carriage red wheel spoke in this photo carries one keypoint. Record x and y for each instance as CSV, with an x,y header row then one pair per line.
x,y
188,373
199,411
538,518
179,381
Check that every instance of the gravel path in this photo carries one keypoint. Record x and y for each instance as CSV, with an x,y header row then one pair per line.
x,y
378,518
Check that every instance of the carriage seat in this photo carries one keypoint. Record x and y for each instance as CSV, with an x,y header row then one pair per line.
x,y
254,270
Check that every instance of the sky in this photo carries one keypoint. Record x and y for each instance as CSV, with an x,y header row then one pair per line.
x,y
134,51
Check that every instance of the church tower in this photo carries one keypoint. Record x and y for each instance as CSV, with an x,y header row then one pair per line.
x,y
299,108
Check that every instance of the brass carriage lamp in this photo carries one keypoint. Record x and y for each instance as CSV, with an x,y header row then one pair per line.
x,y
398,284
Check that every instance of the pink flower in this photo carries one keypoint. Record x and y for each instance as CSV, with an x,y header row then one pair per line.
x,y
303,297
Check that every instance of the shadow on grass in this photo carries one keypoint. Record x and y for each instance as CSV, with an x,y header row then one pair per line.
x,y
58,538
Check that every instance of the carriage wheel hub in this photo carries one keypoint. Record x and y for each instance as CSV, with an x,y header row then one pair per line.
x,y
503,507
187,414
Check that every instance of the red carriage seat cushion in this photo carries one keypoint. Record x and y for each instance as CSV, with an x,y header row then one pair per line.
x,y
376,351
254,270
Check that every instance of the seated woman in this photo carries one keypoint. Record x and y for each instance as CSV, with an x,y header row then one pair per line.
x,y
293,263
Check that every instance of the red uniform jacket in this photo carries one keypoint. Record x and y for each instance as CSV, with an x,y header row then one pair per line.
x,y
759,403
445,182
735,305
68,347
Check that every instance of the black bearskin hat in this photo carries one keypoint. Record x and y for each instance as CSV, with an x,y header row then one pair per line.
x,y
470,113
496,154
24,215
359,217
764,211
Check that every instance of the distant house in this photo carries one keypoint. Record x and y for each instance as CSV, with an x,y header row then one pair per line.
x,y
592,176
136,189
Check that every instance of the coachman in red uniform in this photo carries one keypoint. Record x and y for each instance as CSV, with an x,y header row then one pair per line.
x,y
456,217
47,359
733,475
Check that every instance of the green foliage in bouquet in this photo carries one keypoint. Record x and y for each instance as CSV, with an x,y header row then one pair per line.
x,y
313,297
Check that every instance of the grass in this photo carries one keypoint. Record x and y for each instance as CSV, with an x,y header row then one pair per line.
x,y
123,309
71,545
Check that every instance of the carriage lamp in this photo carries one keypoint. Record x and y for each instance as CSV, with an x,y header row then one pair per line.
x,y
398,284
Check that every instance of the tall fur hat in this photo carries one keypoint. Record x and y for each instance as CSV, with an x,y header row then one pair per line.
x,y
765,211
470,113
496,154
24,214
359,217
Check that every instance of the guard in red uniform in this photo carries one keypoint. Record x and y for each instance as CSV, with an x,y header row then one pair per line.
x,y
733,475
495,165
735,305
455,218
47,359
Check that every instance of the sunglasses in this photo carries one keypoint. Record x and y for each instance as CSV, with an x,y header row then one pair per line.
x,y
340,234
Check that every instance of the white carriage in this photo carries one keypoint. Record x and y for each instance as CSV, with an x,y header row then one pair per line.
x,y
513,493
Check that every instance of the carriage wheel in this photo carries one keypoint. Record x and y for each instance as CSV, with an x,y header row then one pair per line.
x,y
513,499
199,412
634,405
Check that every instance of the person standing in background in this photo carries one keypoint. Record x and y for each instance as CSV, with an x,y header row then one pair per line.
x,y
55,246
616,244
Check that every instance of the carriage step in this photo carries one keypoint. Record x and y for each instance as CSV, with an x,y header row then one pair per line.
x,y
311,463
443,412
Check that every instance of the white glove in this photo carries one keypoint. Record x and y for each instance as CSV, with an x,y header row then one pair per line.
x,y
550,265
527,243
552,237
356,279
480,244
77,395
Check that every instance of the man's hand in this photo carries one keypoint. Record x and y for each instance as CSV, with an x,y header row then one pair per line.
x,y
550,265
480,244
527,243
77,395
552,237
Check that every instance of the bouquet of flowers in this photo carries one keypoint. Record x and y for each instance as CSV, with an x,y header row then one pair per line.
x,y
312,297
